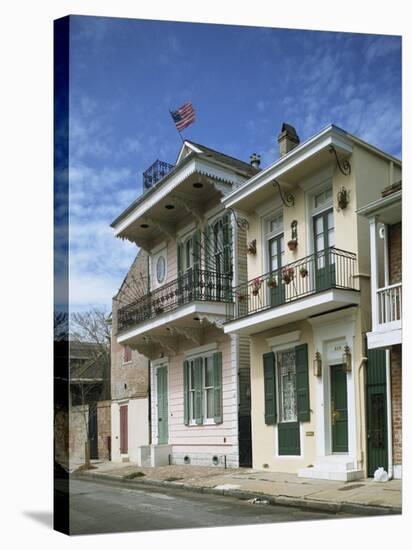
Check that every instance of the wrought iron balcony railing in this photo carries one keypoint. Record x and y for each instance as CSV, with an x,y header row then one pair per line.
x,y
194,285
330,268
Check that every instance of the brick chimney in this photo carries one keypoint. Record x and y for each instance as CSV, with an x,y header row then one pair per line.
x,y
255,160
288,139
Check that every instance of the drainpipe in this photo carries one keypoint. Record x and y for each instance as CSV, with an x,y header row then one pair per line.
x,y
389,412
361,413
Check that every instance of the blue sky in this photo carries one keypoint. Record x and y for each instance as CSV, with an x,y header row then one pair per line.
x,y
243,82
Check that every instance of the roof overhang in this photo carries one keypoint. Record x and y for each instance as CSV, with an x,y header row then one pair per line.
x,y
304,159
178,186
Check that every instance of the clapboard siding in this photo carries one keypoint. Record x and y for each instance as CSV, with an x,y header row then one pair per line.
x,y
206,434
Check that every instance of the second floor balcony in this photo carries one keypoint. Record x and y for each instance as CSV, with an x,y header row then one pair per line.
x,y
194,293
309,286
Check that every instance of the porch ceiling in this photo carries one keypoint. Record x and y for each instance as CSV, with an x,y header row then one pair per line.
x,y
185,203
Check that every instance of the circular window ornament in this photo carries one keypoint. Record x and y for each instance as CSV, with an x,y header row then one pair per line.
x,y
161,269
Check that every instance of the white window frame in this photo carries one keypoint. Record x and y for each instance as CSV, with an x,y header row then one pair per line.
x,y
206,420
312,211
267,235
125,363
279,386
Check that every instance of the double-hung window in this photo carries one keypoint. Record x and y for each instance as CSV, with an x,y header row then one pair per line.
x,y
202,391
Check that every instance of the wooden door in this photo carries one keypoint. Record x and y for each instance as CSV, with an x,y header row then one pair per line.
x,y
376,413
93,431
123,429
162,406
339,409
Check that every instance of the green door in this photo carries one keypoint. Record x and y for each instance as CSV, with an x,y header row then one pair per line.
x,y
162,412
339,409
377,426
324,237
277,287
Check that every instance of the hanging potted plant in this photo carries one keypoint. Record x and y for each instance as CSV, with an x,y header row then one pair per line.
x,y
303,271
288,274
256,284
272,282
240,296
292,244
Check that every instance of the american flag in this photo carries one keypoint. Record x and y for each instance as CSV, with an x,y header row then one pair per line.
x,y
183,116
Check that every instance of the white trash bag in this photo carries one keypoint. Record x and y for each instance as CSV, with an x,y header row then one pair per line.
x,y
380,475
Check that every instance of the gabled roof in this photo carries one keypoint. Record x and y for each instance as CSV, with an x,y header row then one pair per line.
x,y
235,163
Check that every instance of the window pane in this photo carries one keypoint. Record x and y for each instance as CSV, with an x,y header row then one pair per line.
x,y
319,226
331,237
320,243
287,386
208,372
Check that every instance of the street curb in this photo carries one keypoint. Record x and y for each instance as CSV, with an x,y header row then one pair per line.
x,y
281,500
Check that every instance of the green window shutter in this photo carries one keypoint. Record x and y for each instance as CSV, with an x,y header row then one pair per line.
x,y
196,249
186,392
198,390
179,258
227,245
217,383
207,246
302,383
289,438
269,376
196,264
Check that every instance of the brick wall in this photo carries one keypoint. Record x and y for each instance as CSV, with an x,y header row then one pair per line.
x,y
129,380
103,428
395,253
396,385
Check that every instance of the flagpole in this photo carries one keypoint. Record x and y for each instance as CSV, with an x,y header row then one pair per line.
x,y
183,141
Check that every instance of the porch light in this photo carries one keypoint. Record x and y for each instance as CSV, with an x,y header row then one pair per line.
x,y
346,359
317,365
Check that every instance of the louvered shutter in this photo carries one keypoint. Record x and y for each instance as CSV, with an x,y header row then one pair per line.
x,y
217,383
198,368
269,376
186,392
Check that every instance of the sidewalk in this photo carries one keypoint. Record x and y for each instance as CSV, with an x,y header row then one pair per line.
x,y
356,497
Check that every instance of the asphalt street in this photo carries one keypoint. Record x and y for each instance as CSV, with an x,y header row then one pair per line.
x,y
109,507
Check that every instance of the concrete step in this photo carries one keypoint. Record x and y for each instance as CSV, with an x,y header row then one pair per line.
x,y
332,475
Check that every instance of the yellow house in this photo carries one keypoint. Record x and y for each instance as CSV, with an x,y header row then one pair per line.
x,y
306,307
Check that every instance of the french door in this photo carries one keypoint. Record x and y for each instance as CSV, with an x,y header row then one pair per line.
x,y
324,238
276,286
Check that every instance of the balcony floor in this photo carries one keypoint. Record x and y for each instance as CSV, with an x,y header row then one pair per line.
x,y
188,318
296,310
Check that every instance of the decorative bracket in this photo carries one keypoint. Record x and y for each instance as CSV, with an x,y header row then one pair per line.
x,y
242,223
162,226
189,333
189,205
212,319
164,341
287,198
345,167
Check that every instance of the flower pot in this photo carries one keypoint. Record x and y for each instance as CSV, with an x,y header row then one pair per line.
x,y
255,291
241,298
272,284
303,272
292,244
